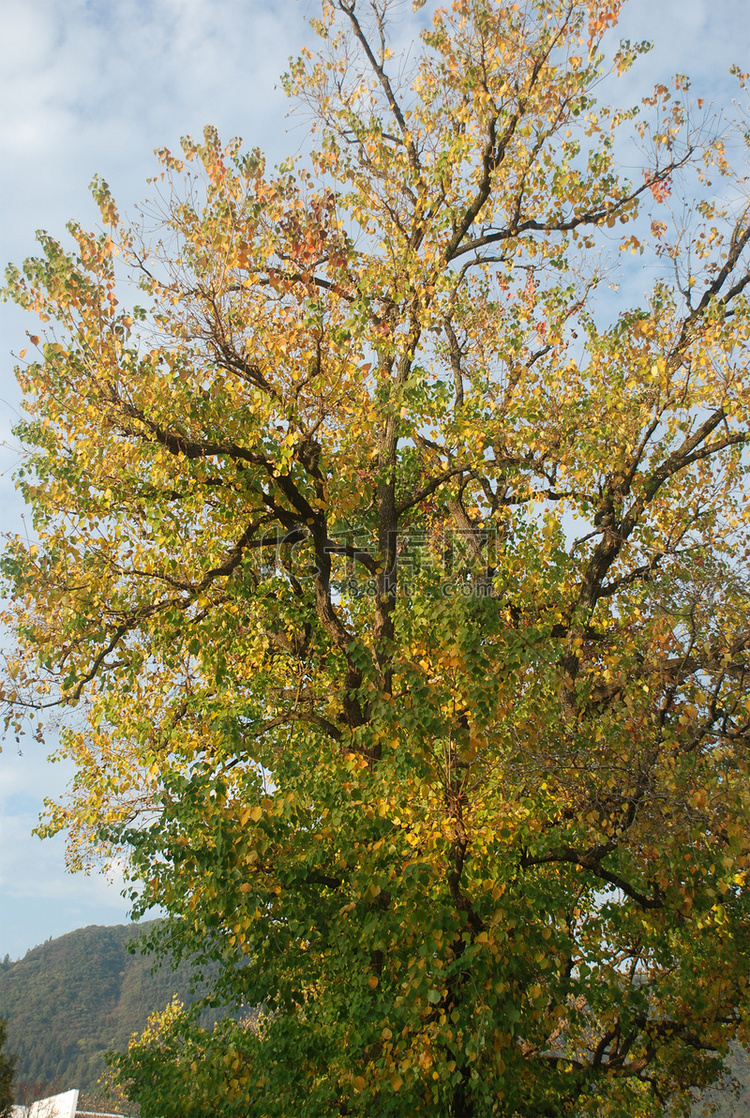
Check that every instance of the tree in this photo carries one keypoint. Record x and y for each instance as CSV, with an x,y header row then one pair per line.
x,y
7,1070
159,1069
398,573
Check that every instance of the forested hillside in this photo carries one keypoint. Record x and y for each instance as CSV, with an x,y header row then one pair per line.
x,y
72,998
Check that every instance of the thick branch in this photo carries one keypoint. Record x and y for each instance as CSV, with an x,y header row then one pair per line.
x,y
588,860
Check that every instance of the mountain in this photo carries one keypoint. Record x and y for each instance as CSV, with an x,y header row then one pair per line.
x,y
69,1000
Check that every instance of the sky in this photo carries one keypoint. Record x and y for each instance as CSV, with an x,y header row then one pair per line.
x,y
93,87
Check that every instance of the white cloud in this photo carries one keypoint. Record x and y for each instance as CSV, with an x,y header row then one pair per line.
x,y
38,898
94,86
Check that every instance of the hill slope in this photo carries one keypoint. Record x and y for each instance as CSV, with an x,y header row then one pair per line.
x,y
71,999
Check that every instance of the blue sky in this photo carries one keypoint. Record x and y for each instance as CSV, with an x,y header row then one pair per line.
x,y
92,87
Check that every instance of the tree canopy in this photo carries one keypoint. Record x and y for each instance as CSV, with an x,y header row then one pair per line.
x,y
396,569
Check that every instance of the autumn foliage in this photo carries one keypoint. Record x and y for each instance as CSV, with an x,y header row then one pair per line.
x,y
395,567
